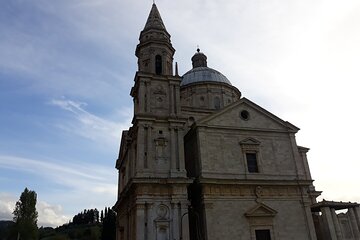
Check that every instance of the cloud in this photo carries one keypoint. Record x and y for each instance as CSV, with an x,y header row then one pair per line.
x,y
89,125
65,47
74,176
7,205
74,185
48,215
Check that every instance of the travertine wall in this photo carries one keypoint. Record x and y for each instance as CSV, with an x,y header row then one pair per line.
x,y
233,202
221,154
226,220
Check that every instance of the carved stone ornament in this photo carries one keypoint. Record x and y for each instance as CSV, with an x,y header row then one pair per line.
x,y
162,211
258,194
159,90
258,191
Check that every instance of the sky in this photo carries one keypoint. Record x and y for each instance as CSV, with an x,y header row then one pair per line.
x,y
67,67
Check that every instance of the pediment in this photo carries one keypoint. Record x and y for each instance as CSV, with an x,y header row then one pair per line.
x,y
249,141
261,210
247,115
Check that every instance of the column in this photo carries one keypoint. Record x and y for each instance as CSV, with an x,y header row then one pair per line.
x,y
336,224
140,221
177,98
185,220
141,96
354,224
140,150
150,148
326,214
173,150
357,215
150,221
175,233
148,94
171,100
310,221
146,145
181,150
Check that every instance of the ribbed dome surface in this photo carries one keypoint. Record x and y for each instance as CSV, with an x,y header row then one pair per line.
x,y
203,74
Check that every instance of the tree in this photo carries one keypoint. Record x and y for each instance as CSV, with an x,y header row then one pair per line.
x,y
109,225
25,216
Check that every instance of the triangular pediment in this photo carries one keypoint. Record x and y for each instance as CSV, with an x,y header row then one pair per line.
x,y
246,115
249,141
261,210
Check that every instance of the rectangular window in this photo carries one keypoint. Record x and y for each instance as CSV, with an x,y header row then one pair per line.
x,y
263,234
251,160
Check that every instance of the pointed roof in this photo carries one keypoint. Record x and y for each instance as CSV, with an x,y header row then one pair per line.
x,y
154,31
154,20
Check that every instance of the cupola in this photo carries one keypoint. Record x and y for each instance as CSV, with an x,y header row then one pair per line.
x,y
201,72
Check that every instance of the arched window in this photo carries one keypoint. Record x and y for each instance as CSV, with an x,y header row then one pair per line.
x,y
158,65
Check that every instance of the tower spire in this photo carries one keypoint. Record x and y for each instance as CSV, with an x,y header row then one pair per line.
x,y
154,20
155,51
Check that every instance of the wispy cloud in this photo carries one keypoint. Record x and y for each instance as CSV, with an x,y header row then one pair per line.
x,y
89,125
74,176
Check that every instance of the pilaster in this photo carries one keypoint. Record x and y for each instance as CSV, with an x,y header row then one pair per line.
x,y
141,96
310,221
354,224
177,99
175,220
184,220
172,150
147,100
140,221
326,214
140,150
336,224
181,150
172,100
357,215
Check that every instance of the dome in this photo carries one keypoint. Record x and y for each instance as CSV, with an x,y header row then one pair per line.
x,y
201,72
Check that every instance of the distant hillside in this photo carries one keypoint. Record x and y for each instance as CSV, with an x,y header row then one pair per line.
x,y
66,232
4,228
5,224
90,224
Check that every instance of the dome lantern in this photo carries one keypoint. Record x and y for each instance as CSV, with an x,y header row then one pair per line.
x,y
201,72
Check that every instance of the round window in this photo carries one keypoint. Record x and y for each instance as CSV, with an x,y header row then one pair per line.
x,y
245,115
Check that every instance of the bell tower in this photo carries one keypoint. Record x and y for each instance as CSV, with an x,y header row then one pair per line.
x,y
152,194
157,89
155,52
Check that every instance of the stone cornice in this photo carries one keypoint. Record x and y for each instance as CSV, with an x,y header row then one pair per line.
x,y
254,182
332,204
218,192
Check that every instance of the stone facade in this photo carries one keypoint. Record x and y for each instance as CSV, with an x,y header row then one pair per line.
x,y
202,162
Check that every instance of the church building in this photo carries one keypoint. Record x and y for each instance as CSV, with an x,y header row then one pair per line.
x,y
202,162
